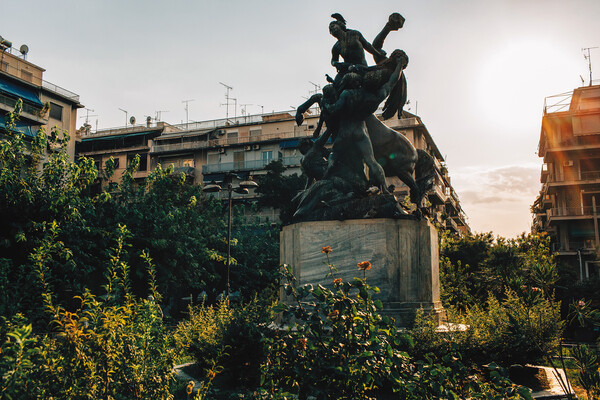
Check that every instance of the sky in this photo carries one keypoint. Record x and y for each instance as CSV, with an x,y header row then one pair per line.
x,y
478,74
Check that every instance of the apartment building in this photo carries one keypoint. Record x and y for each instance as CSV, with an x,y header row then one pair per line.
x,y
206,151
569,200
45,105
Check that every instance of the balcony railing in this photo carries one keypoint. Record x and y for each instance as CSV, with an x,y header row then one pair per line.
x,y
10,102
583,176
570,211
557,103
224,141
60,91
247,165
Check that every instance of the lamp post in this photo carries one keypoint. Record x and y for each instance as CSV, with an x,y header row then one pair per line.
x,y
243,188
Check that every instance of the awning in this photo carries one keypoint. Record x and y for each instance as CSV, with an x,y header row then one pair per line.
x,y
111,137
24,128
17,91
288,144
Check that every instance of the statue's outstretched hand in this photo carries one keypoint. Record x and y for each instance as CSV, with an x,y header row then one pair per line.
x,y
299,118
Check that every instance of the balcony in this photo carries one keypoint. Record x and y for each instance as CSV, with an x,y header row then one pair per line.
x,y
583,176
28,111
224,141
253,165
186,170
570,212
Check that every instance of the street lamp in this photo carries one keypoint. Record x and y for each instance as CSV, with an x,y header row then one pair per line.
x,y
243,188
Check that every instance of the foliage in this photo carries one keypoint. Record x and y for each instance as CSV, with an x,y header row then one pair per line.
x,y
278,190
227,337
476,265
112,346
513,330
336,345
165,216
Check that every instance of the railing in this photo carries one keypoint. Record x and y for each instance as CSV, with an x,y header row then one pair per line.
x,y
121,130
584,176
246,165
590,175
185,170
570,211
26,107
575,245
60,91
557,103
199,144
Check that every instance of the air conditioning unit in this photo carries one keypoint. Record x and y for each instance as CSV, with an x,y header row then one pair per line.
x,y
256,146
247,147
568,163
221,150
220,132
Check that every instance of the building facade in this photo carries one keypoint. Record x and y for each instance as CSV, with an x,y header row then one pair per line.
x,y
569,201
45,105
209,150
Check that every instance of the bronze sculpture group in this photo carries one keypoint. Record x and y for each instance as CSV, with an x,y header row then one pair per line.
x,y
338,186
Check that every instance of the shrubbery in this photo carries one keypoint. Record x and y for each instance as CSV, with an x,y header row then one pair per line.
x,y
111,346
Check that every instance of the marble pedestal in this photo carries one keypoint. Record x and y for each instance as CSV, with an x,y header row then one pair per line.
x,y
403,253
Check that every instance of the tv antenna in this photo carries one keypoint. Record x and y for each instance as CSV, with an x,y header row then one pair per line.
x,y
262,109
588,57
87,115
158,115
227,98
186,111
125,116
317,88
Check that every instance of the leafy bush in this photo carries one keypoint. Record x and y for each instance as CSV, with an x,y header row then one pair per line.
x,y
336,345
508,331
229,337
113,346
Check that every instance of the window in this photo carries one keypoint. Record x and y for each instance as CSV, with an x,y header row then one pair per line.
x,y
56,111
188,162
238,159
267,156
143,161
3,66
255,132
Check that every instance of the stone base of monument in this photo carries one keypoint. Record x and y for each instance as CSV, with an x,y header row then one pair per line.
x,y
403,253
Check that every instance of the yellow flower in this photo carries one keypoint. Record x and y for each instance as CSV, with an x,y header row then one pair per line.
x,y
326,250
190,387
364,266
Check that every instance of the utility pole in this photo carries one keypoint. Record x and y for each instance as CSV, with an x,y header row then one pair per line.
x,y
227,98
588,57
187,120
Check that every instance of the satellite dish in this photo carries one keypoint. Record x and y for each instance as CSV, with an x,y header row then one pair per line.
x,y
132,120
24,49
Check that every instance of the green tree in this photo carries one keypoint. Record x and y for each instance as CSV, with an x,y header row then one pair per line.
x,y
278,190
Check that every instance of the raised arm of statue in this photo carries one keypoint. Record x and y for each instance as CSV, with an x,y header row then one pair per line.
x,y
369,47
302,108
